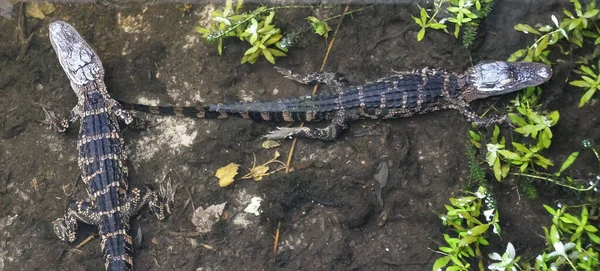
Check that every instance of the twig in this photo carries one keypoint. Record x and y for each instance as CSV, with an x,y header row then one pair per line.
x,y
85,241
337,28
276,238
185,234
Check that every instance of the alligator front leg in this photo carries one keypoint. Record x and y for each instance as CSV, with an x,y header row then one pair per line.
x,y
481,121
61,124
334,80
66,227
338,124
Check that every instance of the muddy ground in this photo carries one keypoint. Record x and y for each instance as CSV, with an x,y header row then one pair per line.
x,y
330,216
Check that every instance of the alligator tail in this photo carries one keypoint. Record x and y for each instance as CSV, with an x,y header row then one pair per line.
x,y
199,112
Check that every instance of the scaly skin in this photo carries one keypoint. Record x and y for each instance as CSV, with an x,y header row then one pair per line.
x,y
101,154
400,95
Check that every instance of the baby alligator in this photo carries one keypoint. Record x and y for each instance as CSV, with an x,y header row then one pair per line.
x,y
400,95
101,157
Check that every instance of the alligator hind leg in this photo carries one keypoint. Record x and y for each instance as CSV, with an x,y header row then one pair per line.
x,y
158,202
338,124
66,227
130,120
334,80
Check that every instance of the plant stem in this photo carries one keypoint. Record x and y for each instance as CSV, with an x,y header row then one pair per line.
x,y
556,182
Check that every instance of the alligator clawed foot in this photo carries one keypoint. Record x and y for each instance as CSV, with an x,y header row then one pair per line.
x,y
288,74
51,119
284,132
166,195
65,228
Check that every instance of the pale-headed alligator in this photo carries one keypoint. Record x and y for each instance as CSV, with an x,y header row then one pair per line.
x,y
101,154
400,95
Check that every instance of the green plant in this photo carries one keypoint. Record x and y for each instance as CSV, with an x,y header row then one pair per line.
x,y
466,15
590,82
573,28
258,29
507,261
574,241
261,36
426,21
462,215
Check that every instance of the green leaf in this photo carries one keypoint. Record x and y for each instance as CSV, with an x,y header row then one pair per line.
x,y
580,83
276,52
467,240
453,9
417,20
590,228
220,47
424,16
568,162
587,71
272,39
517,55
441,262
269,18
509,155
542,45
268,56
587,96
474,135
516,119
526,29
421,34
520,147
550,210
479,230
497,170
495,133
251,50
202,30
594,238
238,6
437,26
543,161
589,80
590,13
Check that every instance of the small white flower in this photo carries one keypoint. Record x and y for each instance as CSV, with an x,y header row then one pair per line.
x,y
546,121
562,31
489,214
561,249
480,195
559,205
554,20
507,260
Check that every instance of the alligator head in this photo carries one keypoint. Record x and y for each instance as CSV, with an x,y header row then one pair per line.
x,y
496,78
76,56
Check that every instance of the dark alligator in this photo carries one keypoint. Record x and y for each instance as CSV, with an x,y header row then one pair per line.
x,y
102,156
400,95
